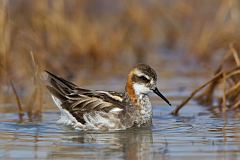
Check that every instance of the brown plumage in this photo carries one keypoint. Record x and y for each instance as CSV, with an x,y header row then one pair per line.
x,y
97,109
79,101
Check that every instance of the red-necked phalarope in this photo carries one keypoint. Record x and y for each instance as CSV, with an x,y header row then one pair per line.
x,y
93,110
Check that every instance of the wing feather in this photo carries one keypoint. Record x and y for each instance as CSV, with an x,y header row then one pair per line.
x,y
79,101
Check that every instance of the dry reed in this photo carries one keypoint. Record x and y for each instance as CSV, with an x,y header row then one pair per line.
x,y
69,36
19,105
225,79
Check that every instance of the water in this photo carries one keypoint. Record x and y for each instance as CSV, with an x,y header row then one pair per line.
x,y
196,134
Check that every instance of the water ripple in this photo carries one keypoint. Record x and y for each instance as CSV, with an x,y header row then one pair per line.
x,y
198,135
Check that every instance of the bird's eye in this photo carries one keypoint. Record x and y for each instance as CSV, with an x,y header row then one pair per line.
x,y
144,78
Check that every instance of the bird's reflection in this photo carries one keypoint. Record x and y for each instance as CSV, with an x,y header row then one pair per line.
x,y
134,144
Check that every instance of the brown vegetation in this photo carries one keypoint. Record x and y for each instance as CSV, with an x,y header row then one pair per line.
x,y
87,36
226,79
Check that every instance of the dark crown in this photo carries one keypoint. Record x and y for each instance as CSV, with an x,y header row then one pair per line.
x,y
147,70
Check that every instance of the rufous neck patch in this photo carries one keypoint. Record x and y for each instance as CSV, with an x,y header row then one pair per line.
x,y
129,89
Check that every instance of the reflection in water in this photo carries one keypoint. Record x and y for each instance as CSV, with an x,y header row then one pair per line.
x,y
131,144
199,135
49,140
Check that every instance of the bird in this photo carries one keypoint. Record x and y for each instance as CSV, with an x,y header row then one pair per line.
x,y
86,109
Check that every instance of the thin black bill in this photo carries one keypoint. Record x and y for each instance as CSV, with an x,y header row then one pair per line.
x,y
160,95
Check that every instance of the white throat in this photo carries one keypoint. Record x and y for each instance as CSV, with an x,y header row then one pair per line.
x,y
140,89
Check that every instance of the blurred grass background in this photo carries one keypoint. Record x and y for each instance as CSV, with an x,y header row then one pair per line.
x,y
80,39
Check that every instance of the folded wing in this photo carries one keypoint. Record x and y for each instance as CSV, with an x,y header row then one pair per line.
x,y
79,101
